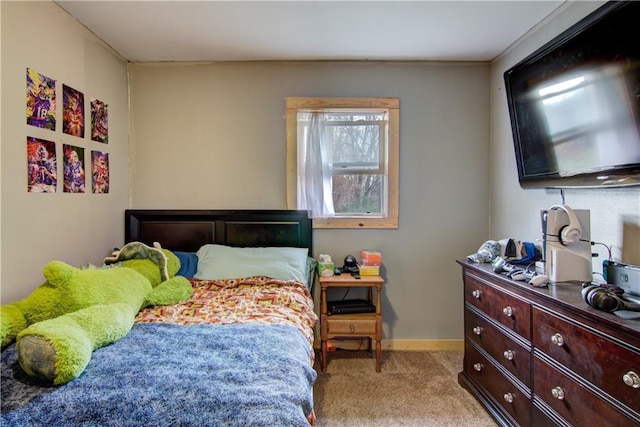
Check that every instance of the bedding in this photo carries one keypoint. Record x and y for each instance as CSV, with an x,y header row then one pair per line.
x,y
224,262
239,352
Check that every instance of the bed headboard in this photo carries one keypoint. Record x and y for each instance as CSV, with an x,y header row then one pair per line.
x,y
188,230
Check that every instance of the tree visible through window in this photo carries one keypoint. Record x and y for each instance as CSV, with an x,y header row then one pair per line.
x,y
349,178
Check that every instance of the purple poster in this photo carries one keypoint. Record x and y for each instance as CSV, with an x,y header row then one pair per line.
x,y
41,100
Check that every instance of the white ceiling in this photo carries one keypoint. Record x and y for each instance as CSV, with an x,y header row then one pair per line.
x,y
145,30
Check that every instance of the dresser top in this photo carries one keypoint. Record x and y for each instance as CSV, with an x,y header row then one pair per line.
x,y
565,294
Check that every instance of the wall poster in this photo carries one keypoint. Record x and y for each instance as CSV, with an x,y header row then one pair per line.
x,y
99,121
72,111
74,177
42,175
41,100
99,172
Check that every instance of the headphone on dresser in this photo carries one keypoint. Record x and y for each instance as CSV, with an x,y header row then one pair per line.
x,y
569,234
607,298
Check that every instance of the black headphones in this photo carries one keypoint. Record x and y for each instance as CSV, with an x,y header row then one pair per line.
x,y
569,234
606,298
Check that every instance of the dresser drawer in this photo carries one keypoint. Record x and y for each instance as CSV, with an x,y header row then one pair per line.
x,y
505,394
513,356
573,402
348,324
590,354
509,310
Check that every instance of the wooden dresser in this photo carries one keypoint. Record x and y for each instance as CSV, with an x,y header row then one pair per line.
x,y
543,357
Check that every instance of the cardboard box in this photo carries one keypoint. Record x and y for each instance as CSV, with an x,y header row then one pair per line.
x,y
326,269
369,270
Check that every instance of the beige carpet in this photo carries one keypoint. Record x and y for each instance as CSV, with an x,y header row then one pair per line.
x,y
415,388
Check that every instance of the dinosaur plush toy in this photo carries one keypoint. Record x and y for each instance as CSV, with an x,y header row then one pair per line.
x,y
76,311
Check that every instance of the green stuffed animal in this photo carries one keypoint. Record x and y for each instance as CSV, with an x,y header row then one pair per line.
x,y
76,311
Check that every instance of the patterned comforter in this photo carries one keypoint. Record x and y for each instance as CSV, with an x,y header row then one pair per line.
x,y
256,299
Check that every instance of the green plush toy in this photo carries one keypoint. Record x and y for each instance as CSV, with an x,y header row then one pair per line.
x,y
76,311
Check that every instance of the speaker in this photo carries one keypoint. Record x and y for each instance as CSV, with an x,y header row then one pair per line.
x,y
571,233
606,299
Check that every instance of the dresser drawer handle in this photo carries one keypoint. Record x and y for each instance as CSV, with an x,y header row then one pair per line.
x,y
557,340
508,311
558,393
352,328
508,397
509,354
631,379
478,367
477,330
476,293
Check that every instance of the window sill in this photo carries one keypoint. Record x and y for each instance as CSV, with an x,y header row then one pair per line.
x,y
391,223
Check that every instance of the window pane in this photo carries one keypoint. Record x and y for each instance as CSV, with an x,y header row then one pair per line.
x,y
361,194
356,138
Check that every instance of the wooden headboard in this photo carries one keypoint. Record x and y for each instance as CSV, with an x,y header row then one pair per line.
x,y
188,230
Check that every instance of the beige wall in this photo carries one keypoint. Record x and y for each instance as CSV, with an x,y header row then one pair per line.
x,y
75,228
213,136
515,212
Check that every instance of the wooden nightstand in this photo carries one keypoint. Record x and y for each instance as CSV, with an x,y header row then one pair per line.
x,y
351,325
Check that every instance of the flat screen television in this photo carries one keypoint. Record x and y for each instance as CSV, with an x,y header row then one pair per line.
x,y
574,104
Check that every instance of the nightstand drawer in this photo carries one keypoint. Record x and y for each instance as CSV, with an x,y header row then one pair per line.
x,y
347,324
509,310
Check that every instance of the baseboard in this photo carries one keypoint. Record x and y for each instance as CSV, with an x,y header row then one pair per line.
x,y
423,344
398,344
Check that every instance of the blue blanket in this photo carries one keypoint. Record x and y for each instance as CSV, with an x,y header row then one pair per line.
x,y
172,375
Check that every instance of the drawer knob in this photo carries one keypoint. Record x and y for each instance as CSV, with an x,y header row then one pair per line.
x,y
631,379
558,393
508,311
508,397
509,354
477,330
557,340
477,366
476,294
352,328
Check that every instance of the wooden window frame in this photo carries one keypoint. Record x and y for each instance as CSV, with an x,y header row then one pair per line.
x,y
293,104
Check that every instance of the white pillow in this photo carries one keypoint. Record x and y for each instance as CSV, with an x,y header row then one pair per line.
x,y
216,262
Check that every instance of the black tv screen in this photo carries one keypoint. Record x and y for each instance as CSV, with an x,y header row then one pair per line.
x,y
574,104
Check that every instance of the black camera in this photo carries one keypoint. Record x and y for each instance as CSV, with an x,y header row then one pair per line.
x,y
350,266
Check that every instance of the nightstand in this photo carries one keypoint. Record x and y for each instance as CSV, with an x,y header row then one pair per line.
x,y
351,325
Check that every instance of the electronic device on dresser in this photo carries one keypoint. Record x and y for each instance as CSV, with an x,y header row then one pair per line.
x,y
350,266
566,244
625,276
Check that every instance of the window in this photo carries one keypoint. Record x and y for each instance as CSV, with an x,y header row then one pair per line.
x,y
342,160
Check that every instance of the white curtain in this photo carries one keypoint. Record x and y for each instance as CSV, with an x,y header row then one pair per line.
x,y
314,168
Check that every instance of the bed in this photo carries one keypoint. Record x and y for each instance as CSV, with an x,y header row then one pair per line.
x,y
239,352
